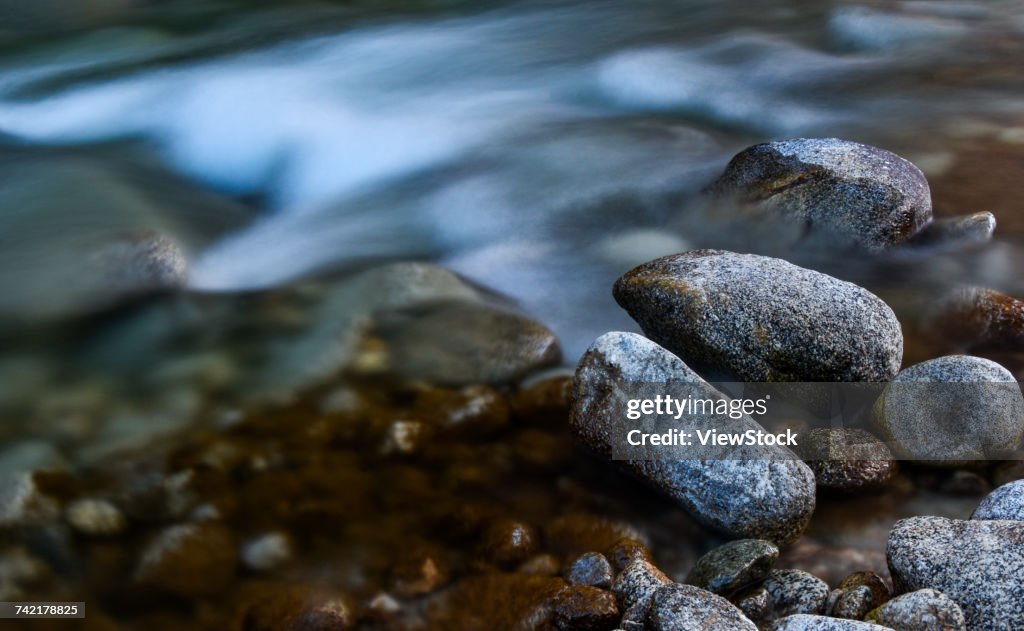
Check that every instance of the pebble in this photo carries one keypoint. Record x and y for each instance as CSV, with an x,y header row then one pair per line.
x,y
636,584
625,551
92,516
846,459
734,313
585,608
979,564
509,542
676,607
299,608
805,622
188,560
856,193
795,591
734,565
267,552
592,568
851,603
923,610
976,319
879,588
924,416
769,498
1006,502
22,503
756,604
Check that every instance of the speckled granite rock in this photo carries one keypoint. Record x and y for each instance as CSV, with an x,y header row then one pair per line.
x,y
755,603
678,607
636,585
846,459
858,193
923,610
795,591
591,568
979,564
952,409
734,565
1006,502
805,622
767,499
857,594
736,313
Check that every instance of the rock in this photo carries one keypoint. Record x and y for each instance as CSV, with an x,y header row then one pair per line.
x,y
975,319
575,533
460,343
542,565
508,542
20,572
852,603
94,517
795,591
585,608
635,586
923,610
499,601
625,551
846,459
678,607
805,622
734,565
770,497
736,313
880,591
855,193
592,569
979,564
956,232
755,604
22,503
952,409
1006,502
267,552
142,261
188,560
421,569
299,608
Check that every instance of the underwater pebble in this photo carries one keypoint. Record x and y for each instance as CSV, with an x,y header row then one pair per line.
x,y
734,565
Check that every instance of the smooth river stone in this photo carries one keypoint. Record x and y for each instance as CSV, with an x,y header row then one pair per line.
x,y
923,610
762,319
856,193
770,498
979,564
1005,502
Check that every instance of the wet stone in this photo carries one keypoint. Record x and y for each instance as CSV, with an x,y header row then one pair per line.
x,y
94,517
855,193
1006,502
592,568
188,560
846,459
879,588
625,551
762,492
979,564
956,232
733,313
952,409
734,565
678,607
754,603
923,610
795,592
636,584
976,319
852,603
508,542
585,608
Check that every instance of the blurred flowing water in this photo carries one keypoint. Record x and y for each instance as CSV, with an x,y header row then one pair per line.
x,y
538,148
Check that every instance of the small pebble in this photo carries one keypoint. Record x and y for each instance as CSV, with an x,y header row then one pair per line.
x,y
956,232
507,542
754,603
636,584
592,569
95,517
585,608
676,607
267,552
795,591
734,565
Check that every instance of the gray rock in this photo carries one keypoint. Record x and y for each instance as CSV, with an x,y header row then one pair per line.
x,y
952,409
979,564
755,604
635,585
878,592
591,568
853,192
923,610
737,313
795,591
771,497
851,603
462,343
734,565
805,622
956,232
1006,502
846,459
678,607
